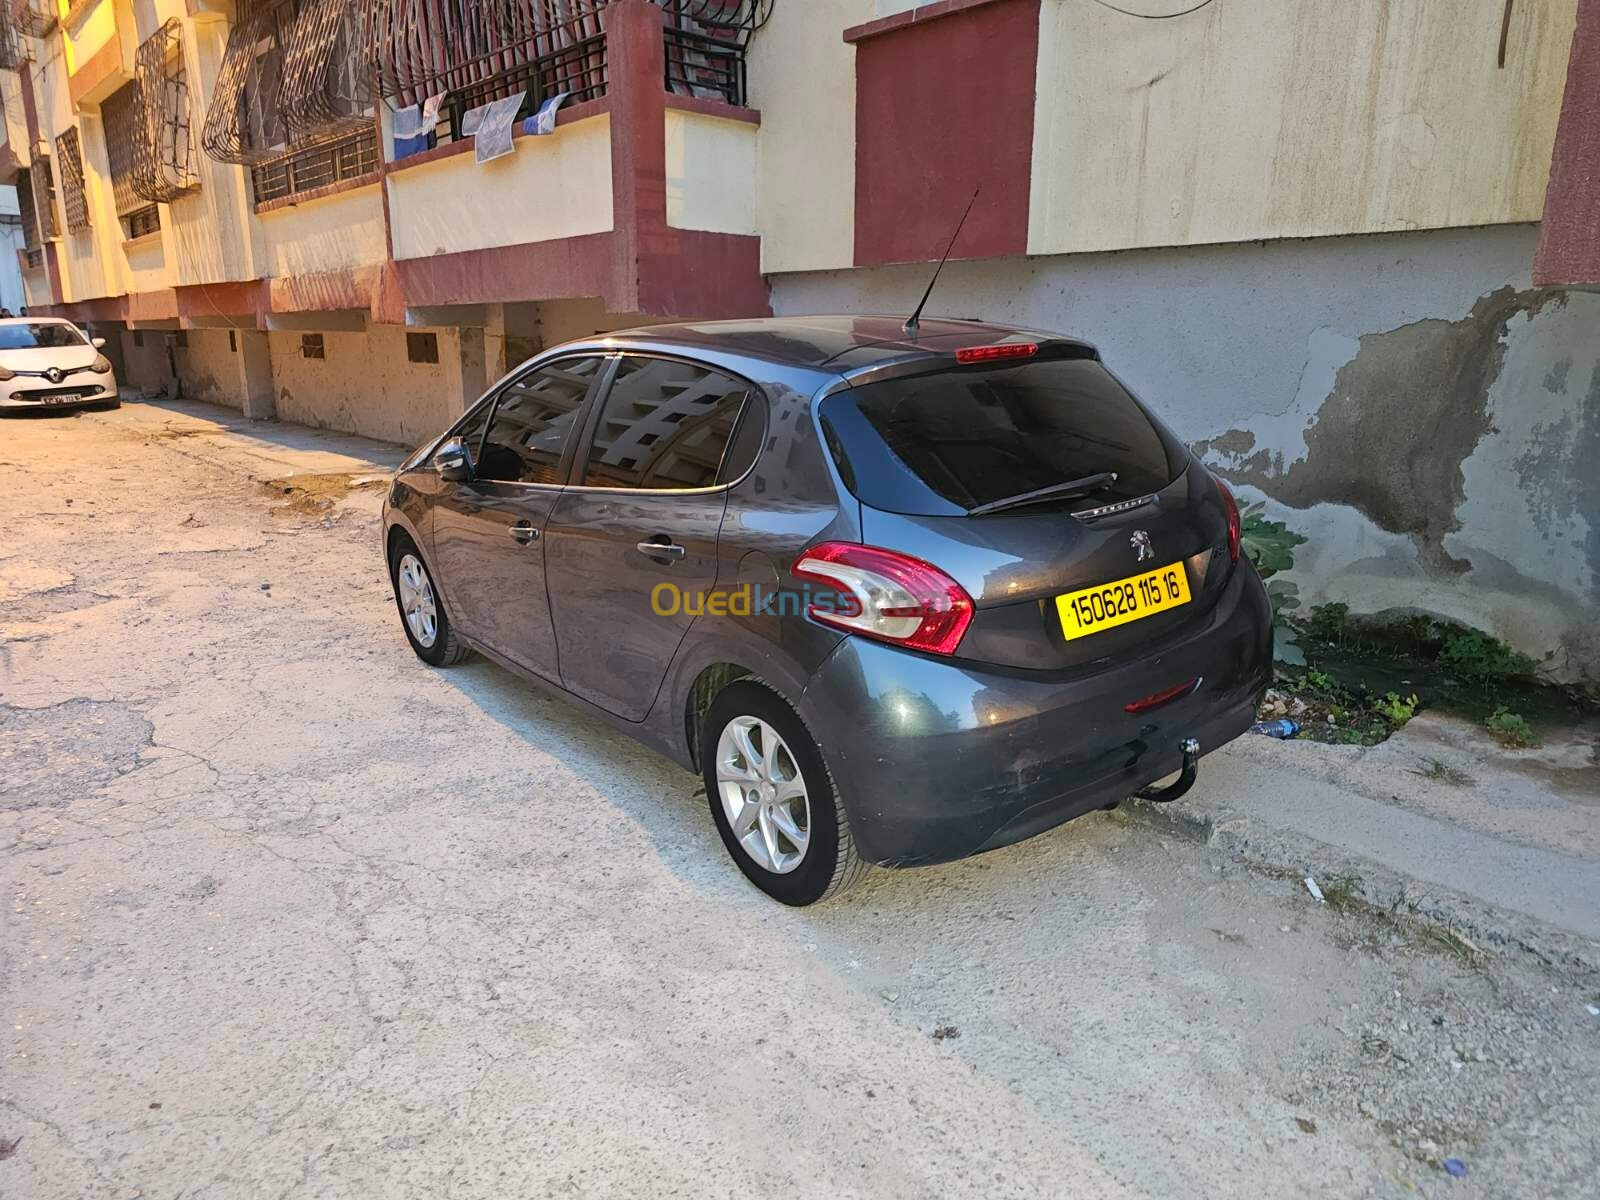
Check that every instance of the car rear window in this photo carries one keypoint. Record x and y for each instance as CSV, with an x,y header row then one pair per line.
x,y
943,443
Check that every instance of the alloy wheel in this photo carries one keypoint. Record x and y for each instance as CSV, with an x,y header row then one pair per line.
x,y
763,794
416,600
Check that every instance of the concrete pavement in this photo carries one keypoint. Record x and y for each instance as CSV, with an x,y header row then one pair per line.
x,y
289,914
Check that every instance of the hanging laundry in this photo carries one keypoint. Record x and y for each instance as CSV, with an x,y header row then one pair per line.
x,y
414,125
492,138
544,121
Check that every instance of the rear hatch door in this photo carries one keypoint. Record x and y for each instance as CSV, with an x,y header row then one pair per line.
x,y
922,451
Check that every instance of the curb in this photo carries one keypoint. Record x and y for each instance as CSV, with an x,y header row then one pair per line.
x,y
1471,925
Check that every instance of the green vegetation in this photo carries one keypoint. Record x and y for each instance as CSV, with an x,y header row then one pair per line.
x,y
1477,656
1269,545
1511,729
1371,675
1397,711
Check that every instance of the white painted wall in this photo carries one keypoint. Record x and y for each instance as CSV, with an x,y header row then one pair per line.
x,y
1291,118
557,186
803,79
711,173
331,234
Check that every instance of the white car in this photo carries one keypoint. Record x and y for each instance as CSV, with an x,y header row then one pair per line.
x,y
46,362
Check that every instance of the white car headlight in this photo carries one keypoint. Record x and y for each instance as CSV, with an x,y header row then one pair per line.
x,y
101,364
6,373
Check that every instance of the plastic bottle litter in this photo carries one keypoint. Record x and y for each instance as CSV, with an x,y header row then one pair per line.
x,y
1283,727
1454,1168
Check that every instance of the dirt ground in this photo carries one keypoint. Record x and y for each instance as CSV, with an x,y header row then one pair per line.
x,y
289,914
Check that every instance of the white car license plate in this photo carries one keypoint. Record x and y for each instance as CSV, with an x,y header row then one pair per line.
x,y
65,398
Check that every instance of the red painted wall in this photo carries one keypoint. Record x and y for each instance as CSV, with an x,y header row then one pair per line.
x,y
945,103
1569,237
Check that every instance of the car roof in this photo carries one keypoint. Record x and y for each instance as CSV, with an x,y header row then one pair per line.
x,y
35,321
842,345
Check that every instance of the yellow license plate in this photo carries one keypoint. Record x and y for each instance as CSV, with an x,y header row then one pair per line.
x,y
1130,599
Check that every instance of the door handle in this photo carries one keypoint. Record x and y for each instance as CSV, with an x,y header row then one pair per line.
x,y
661,546
523,532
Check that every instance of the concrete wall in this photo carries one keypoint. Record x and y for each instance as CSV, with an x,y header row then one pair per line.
x,y
1291,118
550,187
365,383
1407,401
711,173
144,358
1247,119
338,231
209,369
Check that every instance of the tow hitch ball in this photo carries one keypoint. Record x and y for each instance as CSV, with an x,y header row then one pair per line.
x,y
1184,781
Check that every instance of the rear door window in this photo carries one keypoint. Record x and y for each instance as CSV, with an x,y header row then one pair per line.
x,y
666,425
944,443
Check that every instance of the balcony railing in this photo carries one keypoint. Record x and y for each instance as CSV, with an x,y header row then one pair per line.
x,y
475,52
315,167
290,100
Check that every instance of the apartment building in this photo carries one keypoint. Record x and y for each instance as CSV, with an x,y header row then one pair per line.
x,y
1348,249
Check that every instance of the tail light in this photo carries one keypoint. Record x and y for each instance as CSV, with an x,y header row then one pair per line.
x,y
886,595
1231,507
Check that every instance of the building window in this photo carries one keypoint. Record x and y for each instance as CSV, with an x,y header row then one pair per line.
x,y
422,347
233,342
318,167
74,203
138,338
311,346
123,117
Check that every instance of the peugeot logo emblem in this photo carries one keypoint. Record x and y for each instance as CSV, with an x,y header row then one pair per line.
x,y
55,374
1140,541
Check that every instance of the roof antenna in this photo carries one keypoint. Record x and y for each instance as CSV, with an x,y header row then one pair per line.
x,y
914,322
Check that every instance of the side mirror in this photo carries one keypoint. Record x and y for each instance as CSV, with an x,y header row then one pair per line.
x,y
453,461
98,343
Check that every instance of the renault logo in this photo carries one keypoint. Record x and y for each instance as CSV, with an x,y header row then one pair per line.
x,y
1140,541
55,374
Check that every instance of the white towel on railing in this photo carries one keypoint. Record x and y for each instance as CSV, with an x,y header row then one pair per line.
x,y
493,136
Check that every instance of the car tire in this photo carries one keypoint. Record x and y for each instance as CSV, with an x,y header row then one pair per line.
x,y
828,863
408,569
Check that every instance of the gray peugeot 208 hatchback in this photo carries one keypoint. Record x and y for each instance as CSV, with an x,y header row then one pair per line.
x,y
900,598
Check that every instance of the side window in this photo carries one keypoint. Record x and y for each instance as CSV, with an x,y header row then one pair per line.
x,y
665,425
533,419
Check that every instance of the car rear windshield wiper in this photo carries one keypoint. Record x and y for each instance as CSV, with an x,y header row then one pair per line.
x,y
1071,489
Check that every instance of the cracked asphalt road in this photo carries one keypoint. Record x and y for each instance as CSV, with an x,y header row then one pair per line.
x,y
289,914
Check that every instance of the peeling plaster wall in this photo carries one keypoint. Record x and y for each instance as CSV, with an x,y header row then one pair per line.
x,y
1407,401
147,363
365,384
209,370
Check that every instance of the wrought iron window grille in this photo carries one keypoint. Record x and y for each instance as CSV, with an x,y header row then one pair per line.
x,y
43,185
163,160
295,75
74,199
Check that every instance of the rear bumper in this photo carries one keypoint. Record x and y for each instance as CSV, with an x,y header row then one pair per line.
x,y
936,760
